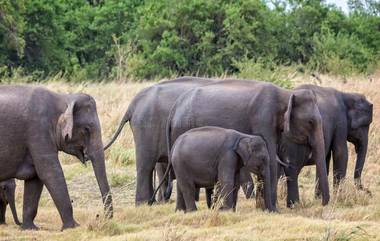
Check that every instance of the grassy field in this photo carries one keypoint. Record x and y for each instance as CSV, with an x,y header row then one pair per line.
x,y
351,215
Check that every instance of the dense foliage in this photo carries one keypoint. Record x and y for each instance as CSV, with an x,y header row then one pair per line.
x,y
104,39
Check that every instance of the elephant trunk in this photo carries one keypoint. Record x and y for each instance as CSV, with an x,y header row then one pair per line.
x,y
12,205
318,154
361,150
98,163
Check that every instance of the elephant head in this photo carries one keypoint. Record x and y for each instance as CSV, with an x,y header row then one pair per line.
x,y
303,125
359,116
79,132
253,153
8,188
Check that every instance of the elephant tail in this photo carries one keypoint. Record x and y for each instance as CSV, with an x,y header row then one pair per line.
x,y
153,199
127,117
166,175
169,188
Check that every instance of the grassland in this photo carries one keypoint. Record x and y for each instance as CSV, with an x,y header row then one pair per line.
x,y
351,215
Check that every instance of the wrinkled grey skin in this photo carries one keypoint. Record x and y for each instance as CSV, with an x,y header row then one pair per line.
x,y
7,196
205,156
147,115
34,125
345,116
256,108
246,182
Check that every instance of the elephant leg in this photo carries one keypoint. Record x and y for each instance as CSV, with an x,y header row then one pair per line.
x,y
188,193
50,172
32,194
197,191
227,193
318,192
340,159
293,196
272,149
180,202
209,192
145,163
3,209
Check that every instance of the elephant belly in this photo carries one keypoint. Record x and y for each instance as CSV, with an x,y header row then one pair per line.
x,y
26,171
11,162
205,180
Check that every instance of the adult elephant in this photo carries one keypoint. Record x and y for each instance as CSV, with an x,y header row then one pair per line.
x,y
37,123
147,115
345,116
256,108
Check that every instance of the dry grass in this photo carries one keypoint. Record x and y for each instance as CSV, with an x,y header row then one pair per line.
x,y
351,215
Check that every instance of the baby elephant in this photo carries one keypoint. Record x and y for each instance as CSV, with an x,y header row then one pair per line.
x,y
203,157
7,196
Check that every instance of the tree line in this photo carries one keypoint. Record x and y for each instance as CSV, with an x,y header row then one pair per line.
x,y
137,39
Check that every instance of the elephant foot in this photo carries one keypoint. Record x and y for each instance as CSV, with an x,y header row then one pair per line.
x,y
273,210
292,204
143,202
180,209
29,226
69,225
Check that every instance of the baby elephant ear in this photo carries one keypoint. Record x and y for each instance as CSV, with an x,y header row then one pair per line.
x,y
244,149
66,121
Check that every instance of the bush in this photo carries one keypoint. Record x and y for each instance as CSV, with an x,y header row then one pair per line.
x,y
340,54
266,71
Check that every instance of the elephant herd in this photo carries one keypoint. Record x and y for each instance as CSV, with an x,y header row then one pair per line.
x,y
200,131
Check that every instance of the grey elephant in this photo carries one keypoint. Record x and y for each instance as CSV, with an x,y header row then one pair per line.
x,y
345,116
7,196
205,156
147,115
35,125
256,108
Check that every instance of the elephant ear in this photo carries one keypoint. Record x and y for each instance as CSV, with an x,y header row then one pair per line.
x,y
288,114
358,120
66,121
360,112
244,149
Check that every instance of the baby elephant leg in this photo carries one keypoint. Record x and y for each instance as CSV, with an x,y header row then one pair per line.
x,y
227,176
180,202
188,192
227,193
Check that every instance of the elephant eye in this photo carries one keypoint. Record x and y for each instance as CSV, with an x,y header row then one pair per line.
x,y
311,122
